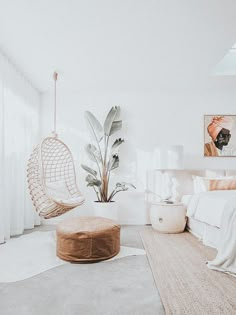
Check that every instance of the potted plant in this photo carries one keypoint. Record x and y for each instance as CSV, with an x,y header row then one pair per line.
x,y
105,156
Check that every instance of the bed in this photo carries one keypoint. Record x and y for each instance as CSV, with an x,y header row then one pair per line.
x,y
205,211
210,199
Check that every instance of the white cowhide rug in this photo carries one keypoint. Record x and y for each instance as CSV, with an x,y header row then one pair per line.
x,y
31,254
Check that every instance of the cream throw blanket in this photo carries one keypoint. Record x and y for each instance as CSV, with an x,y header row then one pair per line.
x,y
225,260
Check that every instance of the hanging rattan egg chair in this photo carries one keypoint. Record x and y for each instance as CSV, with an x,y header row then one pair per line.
x,y
51,176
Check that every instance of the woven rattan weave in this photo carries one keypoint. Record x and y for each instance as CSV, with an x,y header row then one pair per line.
x,y
51,163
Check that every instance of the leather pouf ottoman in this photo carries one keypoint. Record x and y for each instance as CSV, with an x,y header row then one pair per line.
x,y
87,239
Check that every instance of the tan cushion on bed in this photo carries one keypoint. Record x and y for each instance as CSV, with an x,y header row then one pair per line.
x,y
221,184
87,239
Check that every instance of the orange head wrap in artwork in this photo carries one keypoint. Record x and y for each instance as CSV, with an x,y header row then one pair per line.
x,y
218,123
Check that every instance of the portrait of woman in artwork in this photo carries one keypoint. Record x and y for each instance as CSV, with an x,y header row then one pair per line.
x,y
220,135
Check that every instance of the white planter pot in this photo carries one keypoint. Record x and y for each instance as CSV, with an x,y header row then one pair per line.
x,y
106,209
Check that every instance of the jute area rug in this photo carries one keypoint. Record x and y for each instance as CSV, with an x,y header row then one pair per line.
x,y
185,284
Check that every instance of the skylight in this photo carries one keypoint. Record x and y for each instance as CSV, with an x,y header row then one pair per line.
x,y
227,66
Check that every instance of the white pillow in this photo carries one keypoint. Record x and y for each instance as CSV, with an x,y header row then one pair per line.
x,y
199,183
57,190
73,201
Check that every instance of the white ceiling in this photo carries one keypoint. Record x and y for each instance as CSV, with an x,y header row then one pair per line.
x,y
125,44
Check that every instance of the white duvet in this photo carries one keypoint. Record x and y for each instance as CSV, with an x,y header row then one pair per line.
x,y
209,206
218,208
225,260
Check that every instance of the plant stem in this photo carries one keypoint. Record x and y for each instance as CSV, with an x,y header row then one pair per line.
x,y
105,171
96,193
98,166
111,195
116,192
102,195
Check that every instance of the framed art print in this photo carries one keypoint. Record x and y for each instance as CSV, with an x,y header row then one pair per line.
x,y
219,135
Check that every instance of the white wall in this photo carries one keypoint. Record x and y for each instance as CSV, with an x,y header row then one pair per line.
x,y
154,58
150,118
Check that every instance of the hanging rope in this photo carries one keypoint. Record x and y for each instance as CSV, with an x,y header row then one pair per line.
x,y
51,174
55,75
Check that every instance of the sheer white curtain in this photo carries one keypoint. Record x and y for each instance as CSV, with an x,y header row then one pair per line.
x,y
19,133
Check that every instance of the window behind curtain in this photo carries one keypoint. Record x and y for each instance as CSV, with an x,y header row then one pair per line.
x,y
19,134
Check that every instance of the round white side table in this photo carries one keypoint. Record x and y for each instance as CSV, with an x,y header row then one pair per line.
x,y
168,218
